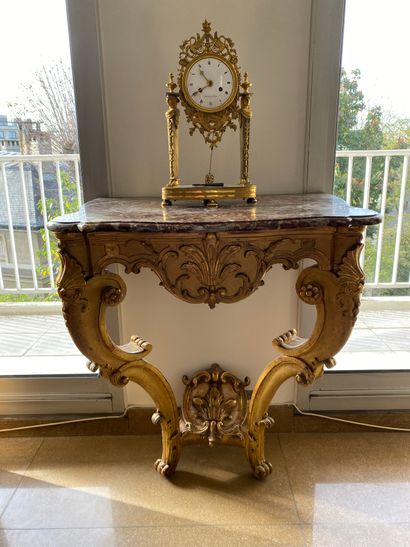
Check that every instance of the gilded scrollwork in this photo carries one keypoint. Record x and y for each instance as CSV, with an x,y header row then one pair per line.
x,y
310,293
214,270
70,281
112,296
84,305
210,125
211,268
208,42
351,281
208,268
214,406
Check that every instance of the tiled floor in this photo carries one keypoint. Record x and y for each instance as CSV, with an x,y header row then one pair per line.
x,y
329,489
38,344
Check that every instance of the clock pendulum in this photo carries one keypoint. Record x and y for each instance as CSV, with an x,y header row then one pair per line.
x,y
215,97
210,181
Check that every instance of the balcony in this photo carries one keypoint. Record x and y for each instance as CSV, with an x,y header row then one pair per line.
x,y
379,179
33,189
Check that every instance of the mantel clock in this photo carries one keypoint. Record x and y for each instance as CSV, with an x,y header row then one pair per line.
x,y
215,97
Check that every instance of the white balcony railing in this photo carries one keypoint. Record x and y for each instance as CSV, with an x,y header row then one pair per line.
x,y
386,189
33,189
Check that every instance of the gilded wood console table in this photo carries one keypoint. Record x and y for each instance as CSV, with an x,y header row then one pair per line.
x,y
212,256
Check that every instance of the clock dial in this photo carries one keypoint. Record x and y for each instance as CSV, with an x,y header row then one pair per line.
x,y
210,84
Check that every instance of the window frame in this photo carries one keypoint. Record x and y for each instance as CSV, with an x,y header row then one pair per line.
x,y
88,393
336,390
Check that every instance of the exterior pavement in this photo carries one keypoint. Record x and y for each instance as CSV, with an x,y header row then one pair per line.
x,y
40,344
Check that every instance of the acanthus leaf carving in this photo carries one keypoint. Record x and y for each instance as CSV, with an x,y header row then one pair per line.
x,y
214,405
211,264
70,282
209,268
351,283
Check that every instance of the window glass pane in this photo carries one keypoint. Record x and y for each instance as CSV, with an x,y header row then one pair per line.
x,y
372,170
40,174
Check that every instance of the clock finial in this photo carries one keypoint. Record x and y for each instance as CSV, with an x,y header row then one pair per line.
x,y
171,85
206,27
246,84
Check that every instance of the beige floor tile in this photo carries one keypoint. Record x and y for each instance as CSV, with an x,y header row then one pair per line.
x,y
15,456
169,536
357,535
349,477
98,482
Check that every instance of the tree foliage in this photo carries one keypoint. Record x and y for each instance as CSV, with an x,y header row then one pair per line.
x,y
362,128
351,105
70,202
49,99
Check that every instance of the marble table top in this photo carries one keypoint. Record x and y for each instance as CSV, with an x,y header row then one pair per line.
x,y
271,212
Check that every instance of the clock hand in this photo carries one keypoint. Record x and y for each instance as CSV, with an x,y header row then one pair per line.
x,y
209,82
200,90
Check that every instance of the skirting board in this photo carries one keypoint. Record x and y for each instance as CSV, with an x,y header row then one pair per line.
x,y
138,422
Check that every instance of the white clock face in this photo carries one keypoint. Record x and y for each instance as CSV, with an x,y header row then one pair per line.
x,y
210,84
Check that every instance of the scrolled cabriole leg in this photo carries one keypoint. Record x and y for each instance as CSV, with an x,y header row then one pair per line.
x,y
336,295
156,385
84,308
279,370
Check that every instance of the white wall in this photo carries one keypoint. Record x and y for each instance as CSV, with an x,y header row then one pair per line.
x,y
140,45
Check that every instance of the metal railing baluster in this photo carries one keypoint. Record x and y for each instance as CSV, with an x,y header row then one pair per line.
x,y
387,154
28,225
45,221
11,227
400,218
60,188
349,180
382,211
366,195
78,182
38,160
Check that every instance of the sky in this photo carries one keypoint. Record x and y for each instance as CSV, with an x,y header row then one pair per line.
x,y
375,40
33,32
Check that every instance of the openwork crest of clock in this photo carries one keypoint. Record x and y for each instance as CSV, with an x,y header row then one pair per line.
x,y
215,97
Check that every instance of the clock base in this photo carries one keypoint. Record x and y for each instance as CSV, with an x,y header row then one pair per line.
x,y
205,184
209,194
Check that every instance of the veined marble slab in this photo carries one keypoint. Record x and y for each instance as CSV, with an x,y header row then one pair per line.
x,y
271,212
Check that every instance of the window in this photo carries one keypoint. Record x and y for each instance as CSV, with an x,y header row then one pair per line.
x,y
83,391
363,381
